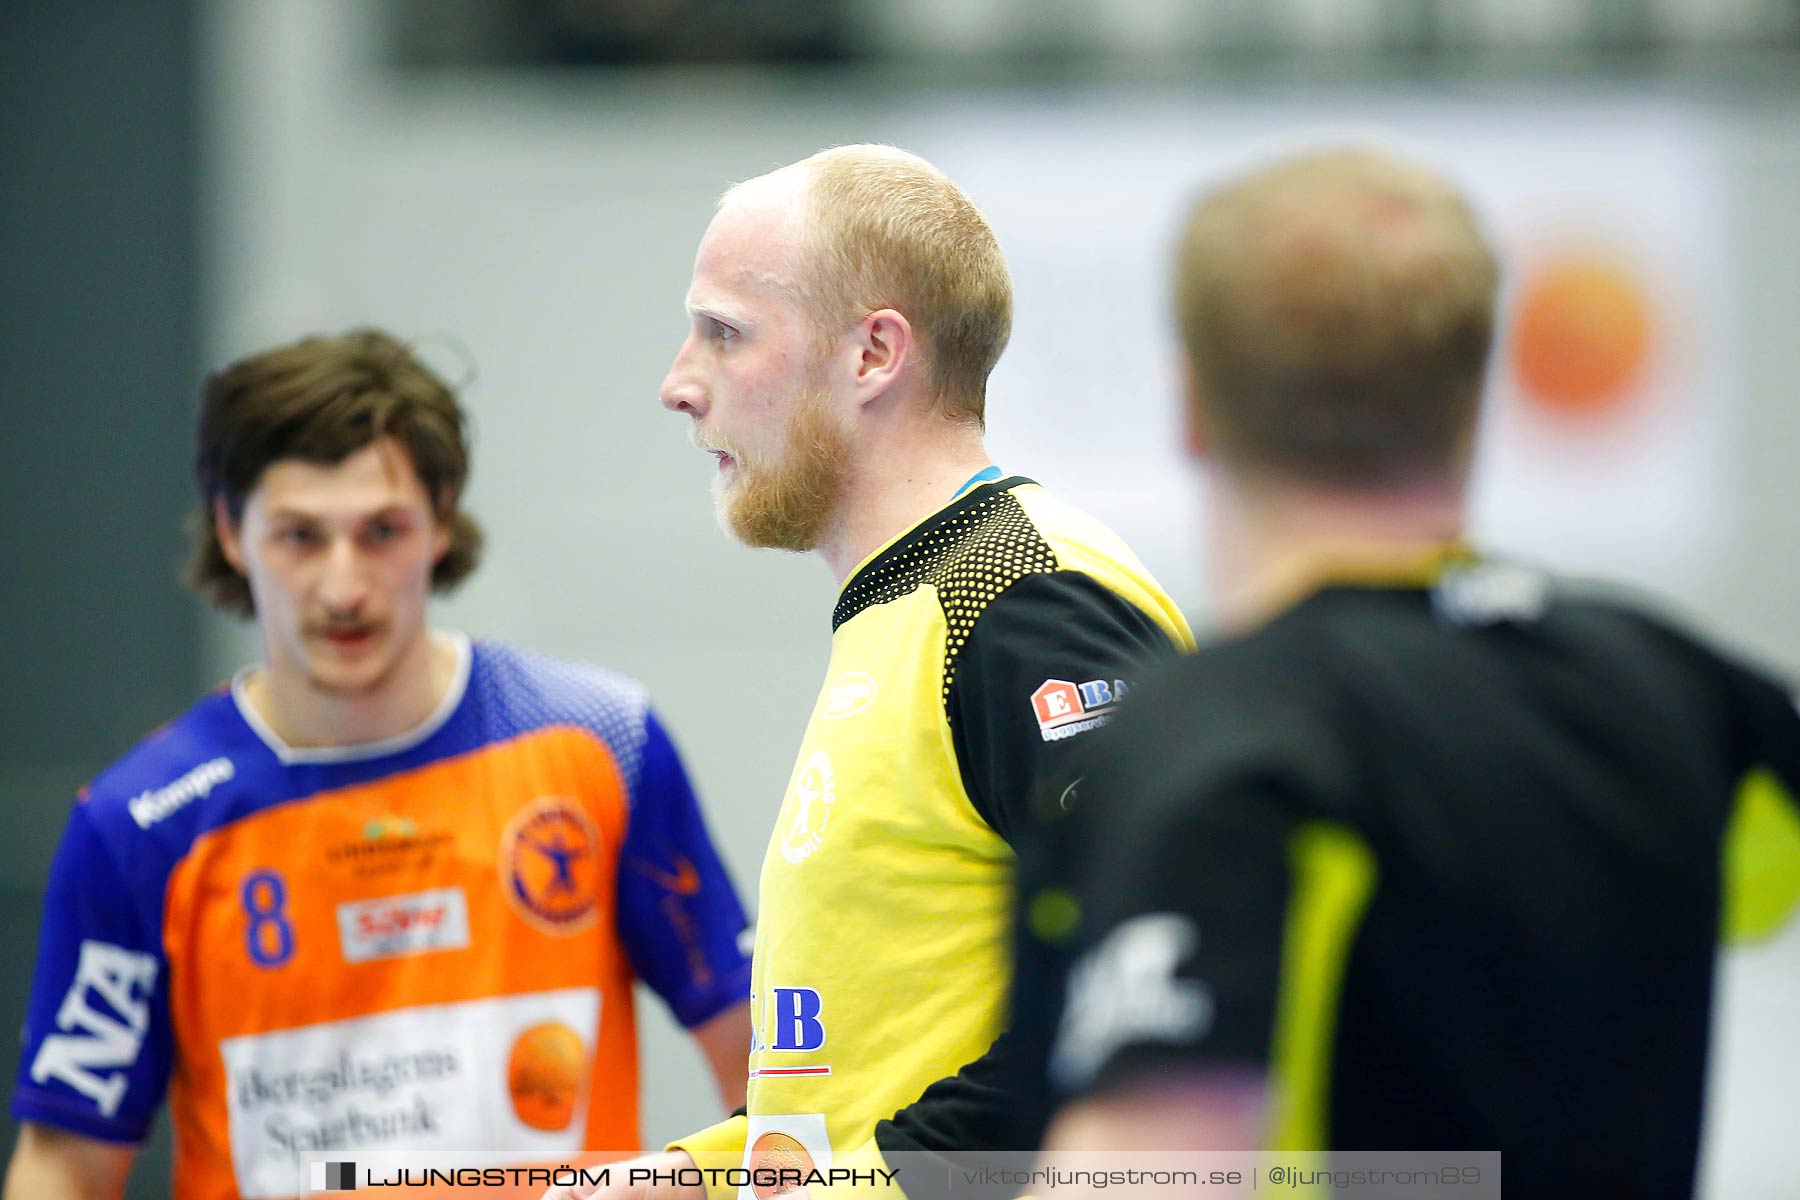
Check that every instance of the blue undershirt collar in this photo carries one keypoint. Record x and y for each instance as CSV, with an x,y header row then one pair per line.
x,y
985,475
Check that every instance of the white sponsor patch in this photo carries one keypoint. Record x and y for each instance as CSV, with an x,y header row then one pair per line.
x,y
481,1075
1491,594
147,808
1125,990
394,926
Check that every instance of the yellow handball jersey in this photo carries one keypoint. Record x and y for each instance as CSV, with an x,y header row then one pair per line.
x,y
969,656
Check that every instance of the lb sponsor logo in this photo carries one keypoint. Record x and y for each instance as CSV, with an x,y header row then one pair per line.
x,y
850,693
1064,709
396,926
544,1074
807,808
787,1019
550,865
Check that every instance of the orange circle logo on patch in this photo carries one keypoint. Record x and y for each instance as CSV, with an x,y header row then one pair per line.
x,y
550,865
543,1073
1583,335
779,1163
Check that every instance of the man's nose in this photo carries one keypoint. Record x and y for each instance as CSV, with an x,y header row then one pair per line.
x,y
681,391
345,581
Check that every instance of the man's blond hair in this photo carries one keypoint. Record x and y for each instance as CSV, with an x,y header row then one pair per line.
x,y
1338,309
885,229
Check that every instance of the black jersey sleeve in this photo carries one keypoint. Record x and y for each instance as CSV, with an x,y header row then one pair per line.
x,y
1762,838
1759,726
1213,841
1770,721
1045,664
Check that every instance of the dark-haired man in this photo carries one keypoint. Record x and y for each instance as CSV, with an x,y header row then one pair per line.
x,y
1428,854
390,889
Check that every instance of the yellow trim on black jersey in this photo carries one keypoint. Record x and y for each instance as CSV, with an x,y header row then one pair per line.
x,y
1761,859
1334,875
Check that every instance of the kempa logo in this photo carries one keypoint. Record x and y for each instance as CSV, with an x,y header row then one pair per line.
x,y
334,1177
147,808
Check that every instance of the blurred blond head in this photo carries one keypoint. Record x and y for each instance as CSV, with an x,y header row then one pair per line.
x,y
1336,311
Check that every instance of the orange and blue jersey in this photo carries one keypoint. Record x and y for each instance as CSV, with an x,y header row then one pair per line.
x,y
422,944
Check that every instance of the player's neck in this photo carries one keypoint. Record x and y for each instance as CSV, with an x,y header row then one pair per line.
x,y
302,713
1273,546
894,484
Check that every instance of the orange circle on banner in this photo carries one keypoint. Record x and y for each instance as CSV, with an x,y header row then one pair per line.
x,y
778,1152
1582,334
543,1073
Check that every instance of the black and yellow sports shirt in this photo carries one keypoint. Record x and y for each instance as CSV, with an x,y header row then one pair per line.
x,y
1449,862
970,658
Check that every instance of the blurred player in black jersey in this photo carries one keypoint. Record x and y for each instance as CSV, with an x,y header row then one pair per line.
x,y
1427,854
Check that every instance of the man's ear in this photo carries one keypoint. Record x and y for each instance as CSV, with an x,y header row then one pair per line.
x,y
231,545
1195,439
443,518
885,347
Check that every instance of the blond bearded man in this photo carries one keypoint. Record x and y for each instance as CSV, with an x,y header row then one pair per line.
x,y
847,311
1430,853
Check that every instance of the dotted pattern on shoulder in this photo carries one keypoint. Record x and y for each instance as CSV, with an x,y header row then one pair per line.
x,y
970,554
524,690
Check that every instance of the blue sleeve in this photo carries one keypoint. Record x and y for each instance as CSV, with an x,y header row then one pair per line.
x,y
97,1041
679,917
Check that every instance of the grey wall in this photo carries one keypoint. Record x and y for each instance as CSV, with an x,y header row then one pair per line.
x,y
98,354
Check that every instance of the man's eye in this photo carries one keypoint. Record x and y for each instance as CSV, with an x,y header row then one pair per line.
x,y
304,538
723,333
383,531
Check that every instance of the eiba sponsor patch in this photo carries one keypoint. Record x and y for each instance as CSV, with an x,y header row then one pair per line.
x,y
395,926
1064,709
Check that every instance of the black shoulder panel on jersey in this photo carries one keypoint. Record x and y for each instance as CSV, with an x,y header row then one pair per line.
x,y
970,552
1061,630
